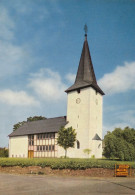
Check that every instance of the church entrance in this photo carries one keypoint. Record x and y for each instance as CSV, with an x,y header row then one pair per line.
x,y
30,153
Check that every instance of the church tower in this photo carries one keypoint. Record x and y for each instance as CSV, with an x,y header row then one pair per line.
x,y
84,109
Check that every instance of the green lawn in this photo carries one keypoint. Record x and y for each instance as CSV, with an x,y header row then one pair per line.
x,y
60,163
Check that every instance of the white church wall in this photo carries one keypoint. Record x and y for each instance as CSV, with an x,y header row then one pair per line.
x,y
18,146
78,117
95,113
86,118
95,125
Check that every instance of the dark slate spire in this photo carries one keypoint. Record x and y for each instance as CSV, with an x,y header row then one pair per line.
x,y
85,75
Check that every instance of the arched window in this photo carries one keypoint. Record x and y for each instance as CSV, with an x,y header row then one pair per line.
x,y
78,144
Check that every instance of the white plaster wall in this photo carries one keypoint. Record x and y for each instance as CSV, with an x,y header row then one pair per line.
x,y
86,119
77,115
18,146
95,125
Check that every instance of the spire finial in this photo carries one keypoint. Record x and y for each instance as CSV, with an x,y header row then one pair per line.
x,y
85,29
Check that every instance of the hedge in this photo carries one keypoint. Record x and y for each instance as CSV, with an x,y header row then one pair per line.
x,y
59,163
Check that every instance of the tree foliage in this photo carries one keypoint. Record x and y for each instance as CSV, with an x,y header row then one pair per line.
x,y
29,119
120,144
66,138
35,118
3,152
17,125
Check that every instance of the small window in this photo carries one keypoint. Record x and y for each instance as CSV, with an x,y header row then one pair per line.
x,y
43,136
37,148
53,135
46,148
49,147
50,135
99,146
37,136
47,135
43,148
78,90
78,144
52,147
40,148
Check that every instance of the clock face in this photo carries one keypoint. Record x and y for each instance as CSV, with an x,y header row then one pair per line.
x,y
78,100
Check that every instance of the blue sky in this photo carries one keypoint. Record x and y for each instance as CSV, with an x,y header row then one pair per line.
x,y
40,47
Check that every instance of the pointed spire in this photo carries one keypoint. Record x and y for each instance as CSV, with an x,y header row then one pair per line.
x,y
85,75
85,70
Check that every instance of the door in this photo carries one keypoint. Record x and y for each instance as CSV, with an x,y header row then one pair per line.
x,y
30,153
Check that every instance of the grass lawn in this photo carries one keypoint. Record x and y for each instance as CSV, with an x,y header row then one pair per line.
x,y
60,163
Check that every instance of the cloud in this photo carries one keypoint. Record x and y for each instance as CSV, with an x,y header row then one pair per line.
x,y
20,98
118,118
6,25
127,116
14,59
48,85
122,79
112,127
38,12
70,77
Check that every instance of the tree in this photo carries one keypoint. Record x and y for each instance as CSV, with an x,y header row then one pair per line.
x,y
35,118
3,152
120,144
29,119
17,125
66,138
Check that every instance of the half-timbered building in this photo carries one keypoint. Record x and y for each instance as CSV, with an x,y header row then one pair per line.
x,y
84,114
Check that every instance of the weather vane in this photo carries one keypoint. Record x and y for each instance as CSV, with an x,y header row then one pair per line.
x,y
85,29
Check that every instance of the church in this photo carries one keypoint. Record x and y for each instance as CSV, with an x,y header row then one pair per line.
x,y
84,113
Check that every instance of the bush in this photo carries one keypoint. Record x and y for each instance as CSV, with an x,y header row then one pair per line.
x,y
3,152
57,163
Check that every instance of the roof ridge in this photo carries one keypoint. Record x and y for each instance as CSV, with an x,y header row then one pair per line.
x,y
57,117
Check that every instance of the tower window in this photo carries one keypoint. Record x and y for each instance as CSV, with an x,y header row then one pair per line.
x,y
78,144
78,90
99,146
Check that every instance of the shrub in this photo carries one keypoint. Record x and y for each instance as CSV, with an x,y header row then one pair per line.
x,y
55,163
3,152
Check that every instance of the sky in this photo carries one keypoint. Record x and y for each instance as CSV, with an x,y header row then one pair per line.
x,y
40,48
